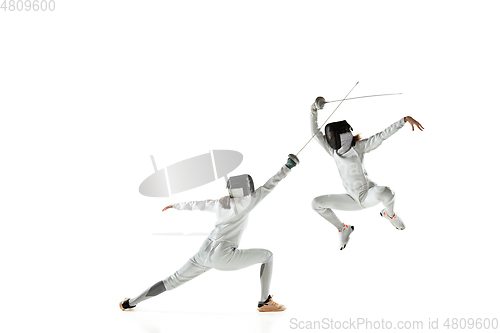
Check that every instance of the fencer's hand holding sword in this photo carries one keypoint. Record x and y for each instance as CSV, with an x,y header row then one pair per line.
x,y
413,123
319,103
292,161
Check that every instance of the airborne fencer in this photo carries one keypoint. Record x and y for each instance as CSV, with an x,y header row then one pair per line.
x,y
220,250
348,152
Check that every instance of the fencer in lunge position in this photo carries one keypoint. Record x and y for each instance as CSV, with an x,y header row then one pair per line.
x,y
220,249
348,152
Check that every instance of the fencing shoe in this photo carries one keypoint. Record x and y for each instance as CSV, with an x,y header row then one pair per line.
x,y
344,235
124,305
394,219
270,306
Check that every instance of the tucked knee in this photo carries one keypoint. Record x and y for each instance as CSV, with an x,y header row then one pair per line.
x,y
388,194
316,205
383,193
269,257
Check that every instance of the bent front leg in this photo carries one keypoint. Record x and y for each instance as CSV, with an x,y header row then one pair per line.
x,y
231,258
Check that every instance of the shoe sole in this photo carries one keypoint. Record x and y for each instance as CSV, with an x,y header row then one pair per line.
x,y
343,247
271,310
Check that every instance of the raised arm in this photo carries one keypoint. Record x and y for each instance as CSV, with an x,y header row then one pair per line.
x,y
318,135
264,190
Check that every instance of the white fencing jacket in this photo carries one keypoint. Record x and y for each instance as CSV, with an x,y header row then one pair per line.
x,y
350,165
233,221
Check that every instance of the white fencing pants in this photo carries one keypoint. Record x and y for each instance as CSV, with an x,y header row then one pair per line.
x,y
222,256
326,204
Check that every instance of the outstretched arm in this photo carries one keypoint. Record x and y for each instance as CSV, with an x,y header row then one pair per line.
x,y
207,205
373,142
264,190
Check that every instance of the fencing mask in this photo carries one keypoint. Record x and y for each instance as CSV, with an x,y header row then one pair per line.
x,y
240,186
339,136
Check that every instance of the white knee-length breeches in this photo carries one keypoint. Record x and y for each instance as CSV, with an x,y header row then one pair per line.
x,y
222,256
325,205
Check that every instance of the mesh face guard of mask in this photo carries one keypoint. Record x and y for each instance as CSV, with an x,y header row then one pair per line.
x,y
240,186
333,131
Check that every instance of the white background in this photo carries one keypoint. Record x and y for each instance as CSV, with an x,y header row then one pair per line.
x,y
88,92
